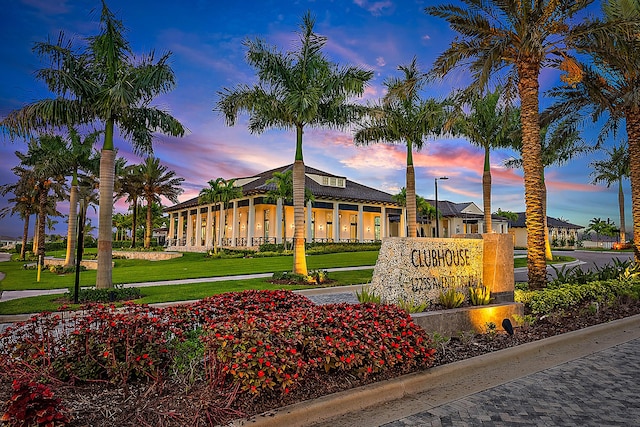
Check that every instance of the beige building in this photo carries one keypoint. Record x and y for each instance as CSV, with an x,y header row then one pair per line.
x,y
559,231
342,211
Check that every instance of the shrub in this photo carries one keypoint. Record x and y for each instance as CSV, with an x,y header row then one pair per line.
x,y
33,404
117,293
412,306
479,295
451,298
367,295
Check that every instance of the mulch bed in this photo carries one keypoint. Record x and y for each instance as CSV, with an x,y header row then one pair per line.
x,y
180,402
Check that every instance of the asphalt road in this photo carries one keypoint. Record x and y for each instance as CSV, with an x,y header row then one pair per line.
x,y
588,261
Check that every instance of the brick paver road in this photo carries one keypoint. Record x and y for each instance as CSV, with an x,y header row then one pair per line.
x,y
596,390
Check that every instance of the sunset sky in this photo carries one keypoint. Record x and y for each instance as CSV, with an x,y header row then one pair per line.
x,y
206,37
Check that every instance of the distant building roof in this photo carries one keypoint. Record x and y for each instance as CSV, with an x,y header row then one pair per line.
x,y
551,222
337,188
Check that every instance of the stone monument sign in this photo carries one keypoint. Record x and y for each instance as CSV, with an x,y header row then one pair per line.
x,y
419,269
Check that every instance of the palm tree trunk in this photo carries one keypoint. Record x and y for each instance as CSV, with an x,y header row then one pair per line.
x,y
623,234
148,231
134,222
72,224
25,235
547,246
34,246
215,235
411,201
299,255
632,116
105,250
528,88
486,192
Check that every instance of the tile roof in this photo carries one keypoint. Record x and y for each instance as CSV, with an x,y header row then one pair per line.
x,y
352,192
551,222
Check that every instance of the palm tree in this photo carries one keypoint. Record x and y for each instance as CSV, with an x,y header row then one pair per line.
x,y
24,202
283,182
561,142
130,185
609,86
402,117
488,125
228,191
157,182
104,84
297,89
521,38
79,154
614,169
45,157
212,195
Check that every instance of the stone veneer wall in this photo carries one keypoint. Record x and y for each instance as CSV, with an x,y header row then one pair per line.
x,y
151,256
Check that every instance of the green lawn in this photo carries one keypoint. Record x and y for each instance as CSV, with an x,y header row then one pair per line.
x,y
156,294
190,266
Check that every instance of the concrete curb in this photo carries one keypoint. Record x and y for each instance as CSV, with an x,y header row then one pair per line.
x,y
453,381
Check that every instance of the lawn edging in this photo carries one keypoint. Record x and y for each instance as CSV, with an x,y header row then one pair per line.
x,y
453,381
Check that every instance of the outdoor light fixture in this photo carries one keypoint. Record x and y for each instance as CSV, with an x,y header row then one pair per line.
x,y
437,220
259,226
506,324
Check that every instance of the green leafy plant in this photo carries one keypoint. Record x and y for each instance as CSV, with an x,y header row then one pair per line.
x,y
479,295
117,293
412,306
524,321
491,329
451,298
367,296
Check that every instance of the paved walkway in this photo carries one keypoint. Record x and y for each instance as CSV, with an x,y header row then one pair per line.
x,y
595,390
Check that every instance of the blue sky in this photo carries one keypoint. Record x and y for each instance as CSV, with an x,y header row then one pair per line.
x,y
206,37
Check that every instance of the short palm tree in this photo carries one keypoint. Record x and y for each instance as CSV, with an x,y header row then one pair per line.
x,y
402,117
296,90
45,157
489,125
23,202
105,84
130,187
212,194
283,183
521,38
157,182
614,169
228,192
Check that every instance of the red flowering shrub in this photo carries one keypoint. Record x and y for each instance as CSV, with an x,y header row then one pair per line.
x,y
33,404
275,350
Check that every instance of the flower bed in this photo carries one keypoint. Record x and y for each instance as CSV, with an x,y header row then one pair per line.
x,y
254,343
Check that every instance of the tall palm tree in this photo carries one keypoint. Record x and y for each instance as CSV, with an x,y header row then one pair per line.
x,y
105,84
78,153
297,89
24,201
402,117
608,86
561,142
489,125
212,194
614,169
520,38
157,182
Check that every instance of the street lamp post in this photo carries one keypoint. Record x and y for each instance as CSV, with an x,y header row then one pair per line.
x,y
437,215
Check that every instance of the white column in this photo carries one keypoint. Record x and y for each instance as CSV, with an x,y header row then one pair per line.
x,y
198,226
189,231
251,222
360,223
336,222
171,225
309,224
234,225
383,222
208,234
221,226
279,221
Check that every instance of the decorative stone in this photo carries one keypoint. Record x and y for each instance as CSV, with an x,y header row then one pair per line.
x,y
419,269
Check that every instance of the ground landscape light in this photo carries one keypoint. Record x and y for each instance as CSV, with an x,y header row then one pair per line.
x,y
506,324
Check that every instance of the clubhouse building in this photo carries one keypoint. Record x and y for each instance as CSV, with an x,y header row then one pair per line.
x,y
341,211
